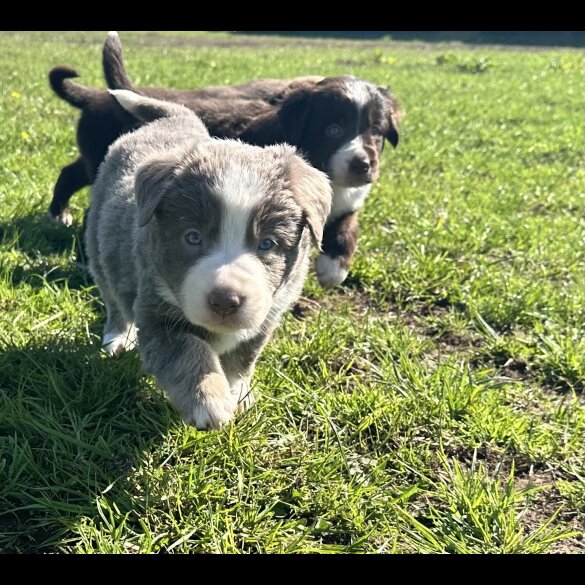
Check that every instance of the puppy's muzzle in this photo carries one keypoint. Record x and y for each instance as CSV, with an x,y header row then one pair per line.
x,y
223,301
360,167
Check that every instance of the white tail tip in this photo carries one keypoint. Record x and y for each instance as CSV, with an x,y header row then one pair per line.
x,y
126,98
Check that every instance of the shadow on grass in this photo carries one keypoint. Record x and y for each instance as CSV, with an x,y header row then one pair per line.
x,y
527,38
75,276
73,423
35,236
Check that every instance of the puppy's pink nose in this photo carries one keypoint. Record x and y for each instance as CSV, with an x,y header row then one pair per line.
x,y
224,301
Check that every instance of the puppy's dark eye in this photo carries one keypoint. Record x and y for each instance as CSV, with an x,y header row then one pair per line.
x,y
376,130
266,244
334,131
193,238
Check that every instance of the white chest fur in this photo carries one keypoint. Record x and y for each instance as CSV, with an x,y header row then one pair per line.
x,y
346,199
225,342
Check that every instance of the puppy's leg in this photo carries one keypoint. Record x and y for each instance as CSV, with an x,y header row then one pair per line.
x,y
190,372
119,333
72,178
115,340
238,366
241,391
339,245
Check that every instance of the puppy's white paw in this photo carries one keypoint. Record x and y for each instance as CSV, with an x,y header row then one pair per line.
x,y
329,271
115,342
216,405
214,415
242,394
64,218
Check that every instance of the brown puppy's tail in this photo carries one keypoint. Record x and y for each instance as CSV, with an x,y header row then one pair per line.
x,y
76,95
114,70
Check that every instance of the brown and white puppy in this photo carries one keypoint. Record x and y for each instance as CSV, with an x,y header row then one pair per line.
x,y
198,246
338,123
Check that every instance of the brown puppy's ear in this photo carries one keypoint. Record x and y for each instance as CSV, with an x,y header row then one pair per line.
x,y
293,115
311,189
394,116
153,179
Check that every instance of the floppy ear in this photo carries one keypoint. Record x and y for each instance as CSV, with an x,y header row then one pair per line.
x,y
394,116
153,179
312,191
293,115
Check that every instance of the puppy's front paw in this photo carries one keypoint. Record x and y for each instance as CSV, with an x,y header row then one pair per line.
x,y
64,218
214,406
329,271
242,394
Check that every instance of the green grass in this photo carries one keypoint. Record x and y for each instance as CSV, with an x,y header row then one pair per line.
x,y
434,403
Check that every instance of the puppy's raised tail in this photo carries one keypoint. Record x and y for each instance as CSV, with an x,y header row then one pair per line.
x,y
113,63
76,95
146,109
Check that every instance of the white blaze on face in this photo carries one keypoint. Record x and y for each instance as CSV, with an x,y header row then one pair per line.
x,y
358,92
339,163
230,264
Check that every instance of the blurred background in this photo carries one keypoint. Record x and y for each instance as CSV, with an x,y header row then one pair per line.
x,y
497,37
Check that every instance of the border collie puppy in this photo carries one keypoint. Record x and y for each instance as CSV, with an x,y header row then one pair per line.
x,y
198,246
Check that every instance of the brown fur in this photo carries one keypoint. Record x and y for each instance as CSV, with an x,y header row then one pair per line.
x,y
340,238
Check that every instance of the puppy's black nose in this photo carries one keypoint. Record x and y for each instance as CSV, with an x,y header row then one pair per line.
x,y
359,165
224,301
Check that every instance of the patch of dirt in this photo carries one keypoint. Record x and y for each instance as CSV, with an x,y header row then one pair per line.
x,y
546,502
465,455
448,343
519,370
362,303
445,342
543,503
562,386
499,462
428,321
514,369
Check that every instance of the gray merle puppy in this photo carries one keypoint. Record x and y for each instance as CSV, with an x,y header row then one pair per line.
x,y
198,246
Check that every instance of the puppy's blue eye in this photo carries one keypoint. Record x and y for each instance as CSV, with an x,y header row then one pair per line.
x,y
193,238
266,244
334,131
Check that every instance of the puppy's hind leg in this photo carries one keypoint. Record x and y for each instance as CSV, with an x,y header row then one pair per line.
x,y
72,178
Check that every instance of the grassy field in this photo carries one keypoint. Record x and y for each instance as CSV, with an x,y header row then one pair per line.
x,y
434,403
